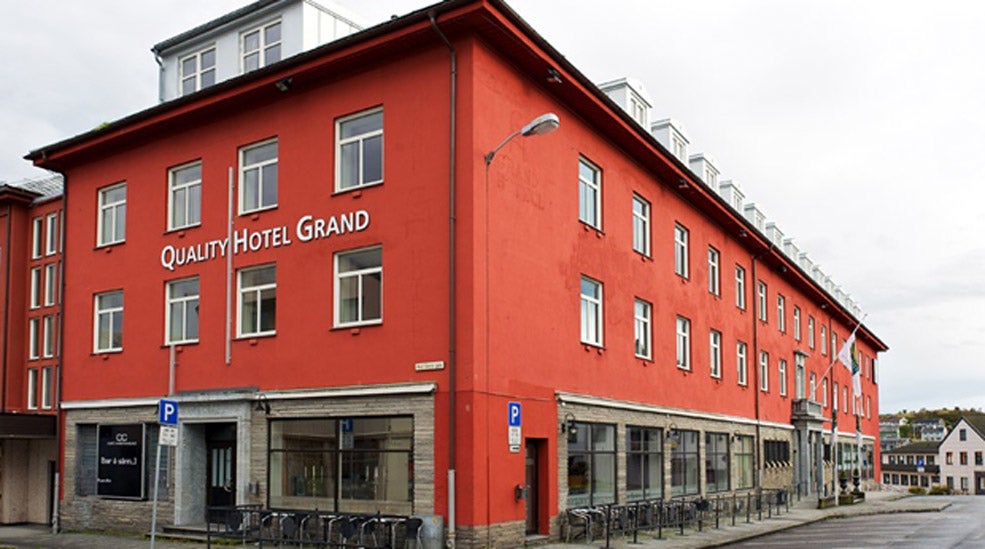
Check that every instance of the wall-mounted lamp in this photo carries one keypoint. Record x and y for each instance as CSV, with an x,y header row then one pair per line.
x,y
553,76
743,233
672,435
568,426
543,124
284,84
263,405
682,184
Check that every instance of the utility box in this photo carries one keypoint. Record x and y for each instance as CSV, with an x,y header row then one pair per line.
x,y
432,531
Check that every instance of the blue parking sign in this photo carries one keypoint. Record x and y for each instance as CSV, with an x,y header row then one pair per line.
x,y
515,414
167,412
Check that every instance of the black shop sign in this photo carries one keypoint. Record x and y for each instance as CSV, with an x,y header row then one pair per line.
x,y
120,469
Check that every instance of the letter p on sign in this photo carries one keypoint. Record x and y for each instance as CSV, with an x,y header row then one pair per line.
x,y
167,412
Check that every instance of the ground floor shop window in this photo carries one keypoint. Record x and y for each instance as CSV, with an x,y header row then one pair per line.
x,y
644,463
353,465
591,464
683,462
744,456
717,462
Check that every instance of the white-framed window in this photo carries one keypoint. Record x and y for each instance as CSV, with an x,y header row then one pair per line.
x,y
258,176
50,284
112,219
781,313
108,323
762,300
641,225
47,388
796,322
359,287
51,234
714,274
197,70
782,376
591,311
359,150
810,332
715,353
32,389
185,196
798,378
868,407
261,46
642,313
764,371
680,250
36,287
678,147
824,389
834,396
683,343
37,226
257,301
48,340
589,193
740,287
844,399
741,364
33,338
824,340
181,321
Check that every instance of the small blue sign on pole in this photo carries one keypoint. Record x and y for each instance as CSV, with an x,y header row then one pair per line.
x,y
515,414
167,412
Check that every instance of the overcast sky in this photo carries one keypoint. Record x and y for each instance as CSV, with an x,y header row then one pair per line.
x,y
859,127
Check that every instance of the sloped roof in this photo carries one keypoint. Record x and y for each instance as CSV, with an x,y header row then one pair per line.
x,y
47,187
977,423
919,447
213,24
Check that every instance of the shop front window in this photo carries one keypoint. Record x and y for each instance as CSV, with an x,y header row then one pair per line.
x,y
591,465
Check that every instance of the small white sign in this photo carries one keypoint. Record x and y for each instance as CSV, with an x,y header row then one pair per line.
x,y
514,439
428,366
168,436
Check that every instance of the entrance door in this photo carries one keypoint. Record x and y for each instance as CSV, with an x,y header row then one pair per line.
x,y
532,465
979,483
220,473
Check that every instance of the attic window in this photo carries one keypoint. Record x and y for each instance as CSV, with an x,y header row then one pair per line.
x,y
261,46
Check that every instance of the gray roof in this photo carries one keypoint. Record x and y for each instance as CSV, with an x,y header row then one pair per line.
x,y
47,187
920,447
213,24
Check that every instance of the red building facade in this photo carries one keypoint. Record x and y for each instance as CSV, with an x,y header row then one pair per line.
x,y
230,248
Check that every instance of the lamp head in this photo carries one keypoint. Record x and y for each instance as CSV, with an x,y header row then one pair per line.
x,y
543,124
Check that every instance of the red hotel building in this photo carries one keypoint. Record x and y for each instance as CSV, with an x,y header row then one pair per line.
x,y
230,248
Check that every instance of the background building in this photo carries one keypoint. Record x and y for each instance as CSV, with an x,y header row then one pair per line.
x,y
961,454
914,464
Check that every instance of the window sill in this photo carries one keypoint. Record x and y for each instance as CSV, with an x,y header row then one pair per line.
x,y
255,214
109,246
589,347
588,227
643,257
180,231
253,338
357,190
355,327
178,345
647,361
107,353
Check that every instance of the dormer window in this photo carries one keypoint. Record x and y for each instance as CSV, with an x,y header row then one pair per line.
x,y
261,46
197,70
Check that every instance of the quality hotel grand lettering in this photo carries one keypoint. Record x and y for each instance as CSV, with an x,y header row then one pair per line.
x,y
307,228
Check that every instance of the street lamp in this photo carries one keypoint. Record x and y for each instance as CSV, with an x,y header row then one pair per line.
x,y
543,124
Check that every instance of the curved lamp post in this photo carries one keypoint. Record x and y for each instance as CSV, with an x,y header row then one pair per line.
x,y
543,124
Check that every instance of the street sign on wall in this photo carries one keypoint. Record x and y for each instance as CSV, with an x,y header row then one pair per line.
x,y
515,426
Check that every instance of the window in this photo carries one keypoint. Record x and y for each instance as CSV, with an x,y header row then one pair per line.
x,y
834,396
683,343
109,322
643,333
796,323
978,458
782,376
776,451
185,196
964,484
359,150
258,301
197,71
683,462
714,278
591,464
717,462
51,234
764,371
47,391
182,312
810,332
591,311
36,237
32,389
680,250
868,406
798,377
744,452
258,177
740,287
824,389
34,339
740,363
844,399
641,225
50,286
112,214
644,463
678,146
35,287
949,458
963,458
824,341
962,434
359,287
48,327
715,353
589,194
781,313
261,46
762,300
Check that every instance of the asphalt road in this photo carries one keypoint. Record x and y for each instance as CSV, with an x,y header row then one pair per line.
x,y
959,526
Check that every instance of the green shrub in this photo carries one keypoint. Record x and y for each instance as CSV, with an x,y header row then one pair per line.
x,y
917,490
940,490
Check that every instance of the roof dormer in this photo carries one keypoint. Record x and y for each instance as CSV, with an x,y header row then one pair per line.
x,y
630,94
703,165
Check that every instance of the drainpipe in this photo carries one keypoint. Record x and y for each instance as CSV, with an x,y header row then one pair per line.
x,y
452,386
6,310
160,76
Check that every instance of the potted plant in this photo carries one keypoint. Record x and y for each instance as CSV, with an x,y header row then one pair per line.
x,y
856,478
843,481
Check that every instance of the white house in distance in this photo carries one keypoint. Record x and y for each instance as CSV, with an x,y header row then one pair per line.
x,y
247,39
961,453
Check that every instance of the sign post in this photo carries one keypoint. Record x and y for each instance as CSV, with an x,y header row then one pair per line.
x,y
167,417
515,426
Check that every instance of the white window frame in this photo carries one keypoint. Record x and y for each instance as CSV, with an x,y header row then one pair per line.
x,y
781,313
740,287
32,388
834,396
36,237
258,167
741,363
641,225
50,284
824,340
681,238
34,338
715,353
51,234
100,311
714,271
184,302
360,140
187,188
199,72
800,371
591,312
764,371
824,389
642,321
36,287
47,378
48,336
782,376
590,188
359,275
257,291
683,343
110,212
796,323
762,292
810,332
262,46
844,398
